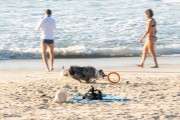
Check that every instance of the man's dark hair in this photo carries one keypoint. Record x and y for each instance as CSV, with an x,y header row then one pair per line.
x,y
149,12
48,12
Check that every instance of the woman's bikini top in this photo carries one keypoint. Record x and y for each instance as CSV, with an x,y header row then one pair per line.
x,y
154,25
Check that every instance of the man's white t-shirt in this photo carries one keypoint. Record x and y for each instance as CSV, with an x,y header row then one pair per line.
x,y
47,25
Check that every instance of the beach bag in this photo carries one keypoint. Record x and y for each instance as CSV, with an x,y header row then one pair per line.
x,y
93,94
61,96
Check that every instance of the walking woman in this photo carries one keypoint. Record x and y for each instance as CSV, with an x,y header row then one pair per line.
x,y
150,36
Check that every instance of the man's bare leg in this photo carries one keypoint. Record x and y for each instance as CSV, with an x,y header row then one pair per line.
x,y
51,55
44,47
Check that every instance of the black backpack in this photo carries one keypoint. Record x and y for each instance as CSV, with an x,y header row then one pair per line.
x,y
93,94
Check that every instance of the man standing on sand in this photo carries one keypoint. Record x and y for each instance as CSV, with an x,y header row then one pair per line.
x,y
47,25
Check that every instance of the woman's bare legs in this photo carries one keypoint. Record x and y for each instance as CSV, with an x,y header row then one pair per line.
x,y
144,52
152,52
51,55
44,48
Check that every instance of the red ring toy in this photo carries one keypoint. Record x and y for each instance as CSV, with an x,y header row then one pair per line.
x,y
115,73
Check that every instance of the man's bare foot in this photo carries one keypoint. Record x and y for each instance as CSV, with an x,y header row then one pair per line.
x,y
138,65
46,70
52,69
155,66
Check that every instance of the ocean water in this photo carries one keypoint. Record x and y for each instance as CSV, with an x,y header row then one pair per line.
x,y
88,28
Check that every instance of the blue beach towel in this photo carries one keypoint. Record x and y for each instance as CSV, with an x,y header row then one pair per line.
x,y
106,98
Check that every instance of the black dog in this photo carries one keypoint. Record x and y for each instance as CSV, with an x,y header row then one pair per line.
x,y
84,73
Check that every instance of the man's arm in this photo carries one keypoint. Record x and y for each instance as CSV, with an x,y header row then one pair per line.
x,y
39,25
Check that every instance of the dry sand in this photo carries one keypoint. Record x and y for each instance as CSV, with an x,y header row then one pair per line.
x,y
26,93
154,94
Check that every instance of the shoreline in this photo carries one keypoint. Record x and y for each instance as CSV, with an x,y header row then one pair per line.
x,y
116,62
13,70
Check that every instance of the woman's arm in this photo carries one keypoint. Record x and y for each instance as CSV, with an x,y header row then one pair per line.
x,y
147,31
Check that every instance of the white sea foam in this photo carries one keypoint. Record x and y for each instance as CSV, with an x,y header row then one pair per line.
x,y
82,51
172,1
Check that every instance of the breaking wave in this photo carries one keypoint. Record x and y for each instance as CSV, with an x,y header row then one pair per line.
x,y
85,52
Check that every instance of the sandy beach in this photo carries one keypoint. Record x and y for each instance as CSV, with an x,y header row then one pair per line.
x,y
111,35
27,92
